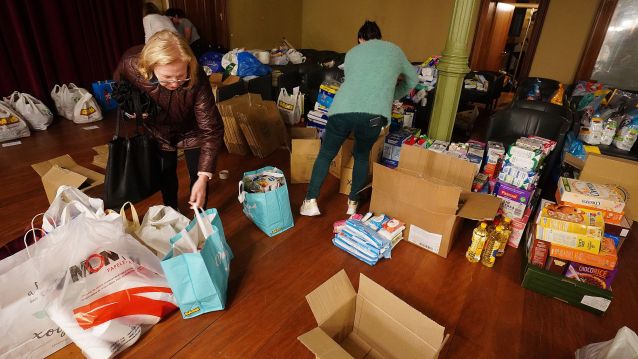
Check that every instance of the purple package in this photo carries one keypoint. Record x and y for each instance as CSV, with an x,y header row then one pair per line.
x,y
513,193
595,276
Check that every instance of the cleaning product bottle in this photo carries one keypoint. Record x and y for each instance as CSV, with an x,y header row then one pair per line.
x,y
479,236
505,236
488,257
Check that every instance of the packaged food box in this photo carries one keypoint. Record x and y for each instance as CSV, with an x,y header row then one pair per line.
x,y
392,148
538,253
519,177
507,191
495,152
606,198
620,230
607,258
568,239
518,228
591,275
572,219
439,146
512,209
524,158
537,143
556,265
480,183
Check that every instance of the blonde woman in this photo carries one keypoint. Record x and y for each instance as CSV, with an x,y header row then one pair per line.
x,y
166,69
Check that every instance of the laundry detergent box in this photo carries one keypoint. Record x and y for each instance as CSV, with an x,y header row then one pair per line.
x,y
607,198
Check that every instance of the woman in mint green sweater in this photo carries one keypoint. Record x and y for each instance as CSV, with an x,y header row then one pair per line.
x,y
376,73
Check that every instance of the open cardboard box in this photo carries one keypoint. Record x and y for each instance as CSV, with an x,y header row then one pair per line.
x,y
373,323
231,85
617,171
261,124
431,193
345,157
64,170
304,150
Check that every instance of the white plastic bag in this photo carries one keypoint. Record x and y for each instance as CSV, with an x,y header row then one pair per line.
x,y
159,225
37,115
86,109
12,125
290,105
623,346
57,96
68,203
26,330
103,288
231,58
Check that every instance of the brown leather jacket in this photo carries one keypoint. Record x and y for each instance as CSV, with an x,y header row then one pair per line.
x,y
188,117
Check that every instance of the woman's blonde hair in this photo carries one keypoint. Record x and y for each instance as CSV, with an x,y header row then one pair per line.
x,y
166,47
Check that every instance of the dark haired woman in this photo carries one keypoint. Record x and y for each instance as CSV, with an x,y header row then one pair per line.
x,y
376,73
154,21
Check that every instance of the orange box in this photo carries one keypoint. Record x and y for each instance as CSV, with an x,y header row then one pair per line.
x,y
607,258
610,217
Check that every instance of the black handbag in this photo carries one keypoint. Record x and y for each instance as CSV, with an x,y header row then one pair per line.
x,y
133,167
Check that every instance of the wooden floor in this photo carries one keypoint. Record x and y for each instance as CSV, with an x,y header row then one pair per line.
x,y
486,311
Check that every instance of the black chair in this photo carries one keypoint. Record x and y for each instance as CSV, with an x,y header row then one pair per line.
x,y
547,88
508,125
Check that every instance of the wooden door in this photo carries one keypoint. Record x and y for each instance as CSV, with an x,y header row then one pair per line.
x,y
498,37
208,16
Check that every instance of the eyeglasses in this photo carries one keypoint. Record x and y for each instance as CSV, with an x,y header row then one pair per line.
x,y
170,82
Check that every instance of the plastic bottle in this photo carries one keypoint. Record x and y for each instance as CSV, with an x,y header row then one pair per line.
x,y
505,236
479,236
488,257
557,99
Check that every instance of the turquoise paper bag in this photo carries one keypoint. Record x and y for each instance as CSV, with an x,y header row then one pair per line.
x,y
270,211
199,278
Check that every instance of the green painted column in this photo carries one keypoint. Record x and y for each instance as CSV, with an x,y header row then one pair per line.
x,y
452,69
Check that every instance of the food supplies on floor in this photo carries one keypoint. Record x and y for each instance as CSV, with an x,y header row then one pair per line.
x,y
368,238
606,198
12,125
76,104
36,113
264,196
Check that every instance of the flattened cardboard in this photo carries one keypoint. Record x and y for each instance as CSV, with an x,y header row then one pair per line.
x,y
261,124
304,150
233,136
64,170
380,326
613,170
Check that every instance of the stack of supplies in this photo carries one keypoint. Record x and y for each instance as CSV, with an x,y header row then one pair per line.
x,y
368,238
573,232
318,117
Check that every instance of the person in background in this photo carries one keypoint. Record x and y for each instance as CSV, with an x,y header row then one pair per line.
x,y
154,21
376,73
167,70
186,28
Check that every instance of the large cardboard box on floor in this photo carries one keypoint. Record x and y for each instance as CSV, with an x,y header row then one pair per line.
x,y
262,125
225,89
304,150
431,193
616,171
373,323
64,170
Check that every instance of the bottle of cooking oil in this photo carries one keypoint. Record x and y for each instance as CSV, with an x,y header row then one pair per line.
x,y
488,257
505,237
479,236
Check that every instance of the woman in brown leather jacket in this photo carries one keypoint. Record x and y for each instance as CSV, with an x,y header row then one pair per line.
x,y
166,69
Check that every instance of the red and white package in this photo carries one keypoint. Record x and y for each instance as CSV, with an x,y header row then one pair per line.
x,y
106,289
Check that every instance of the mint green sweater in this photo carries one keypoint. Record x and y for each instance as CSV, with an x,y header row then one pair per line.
x,y
371,72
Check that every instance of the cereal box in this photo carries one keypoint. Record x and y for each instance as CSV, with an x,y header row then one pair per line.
x,y
572,219
584,194
591,275
606,259
568,239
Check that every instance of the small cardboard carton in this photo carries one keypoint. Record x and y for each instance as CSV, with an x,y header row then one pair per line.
x,y
345,157
373,323
346,171
232,83
64,170
617,171
304,150
431,192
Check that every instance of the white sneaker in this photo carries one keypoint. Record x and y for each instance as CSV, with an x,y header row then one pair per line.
x,y
352,207
309,208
